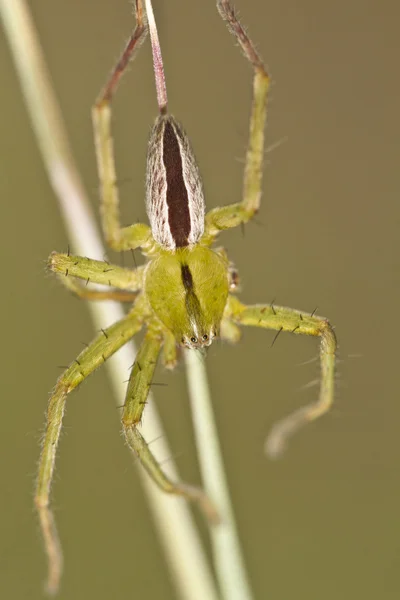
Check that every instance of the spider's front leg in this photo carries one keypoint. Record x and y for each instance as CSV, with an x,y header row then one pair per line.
x,y
291,320
136,396
230,216
102,347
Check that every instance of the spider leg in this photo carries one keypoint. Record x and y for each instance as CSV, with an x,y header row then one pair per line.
x,y
299,323
85,294
170,350
96,271
234,214
138,389
229,331
102,347
118,238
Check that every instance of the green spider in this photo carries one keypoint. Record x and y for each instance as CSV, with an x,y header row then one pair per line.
x,y
184,293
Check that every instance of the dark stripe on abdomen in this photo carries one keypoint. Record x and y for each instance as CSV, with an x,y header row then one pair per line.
x,y
177,196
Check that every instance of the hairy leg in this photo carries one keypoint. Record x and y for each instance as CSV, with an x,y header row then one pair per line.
x,y
170,350
235,214
287,319
138,389
118,238
102,347
84,293
96,271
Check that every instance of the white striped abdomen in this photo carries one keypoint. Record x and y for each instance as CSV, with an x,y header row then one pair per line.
x,y
174,193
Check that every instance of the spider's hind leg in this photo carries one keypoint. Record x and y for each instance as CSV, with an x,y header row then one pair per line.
x,y
230,216
134,236
293,321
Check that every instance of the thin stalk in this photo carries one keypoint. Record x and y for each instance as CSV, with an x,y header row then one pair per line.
x,y
178,535
228,557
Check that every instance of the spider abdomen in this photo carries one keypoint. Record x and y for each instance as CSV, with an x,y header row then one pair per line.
x,y
174,192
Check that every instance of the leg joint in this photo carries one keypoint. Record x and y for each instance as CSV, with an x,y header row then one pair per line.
x,y
328,337
129,421
41,502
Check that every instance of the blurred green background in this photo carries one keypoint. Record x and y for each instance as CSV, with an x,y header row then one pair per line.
x,y
323,521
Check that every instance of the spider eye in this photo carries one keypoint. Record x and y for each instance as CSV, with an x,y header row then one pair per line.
x,y
205,337
193,340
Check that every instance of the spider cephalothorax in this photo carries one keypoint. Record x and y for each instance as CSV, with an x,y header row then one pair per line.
x,y
181,296
187,291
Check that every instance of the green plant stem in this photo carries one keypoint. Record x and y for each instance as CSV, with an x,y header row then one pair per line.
x,y
178,535
228,558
